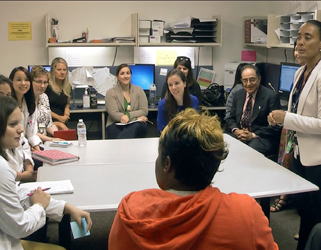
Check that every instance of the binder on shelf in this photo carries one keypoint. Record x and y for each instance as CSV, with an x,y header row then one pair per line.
x,y
255,31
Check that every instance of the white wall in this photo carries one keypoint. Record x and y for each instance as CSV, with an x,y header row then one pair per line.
x,y
113,18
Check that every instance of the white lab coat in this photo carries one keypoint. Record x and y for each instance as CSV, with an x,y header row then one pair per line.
x,y
307,121
17,156
30,125
18,218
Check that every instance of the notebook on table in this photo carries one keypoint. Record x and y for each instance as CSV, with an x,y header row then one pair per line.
x,y
54,156
56,187
68,134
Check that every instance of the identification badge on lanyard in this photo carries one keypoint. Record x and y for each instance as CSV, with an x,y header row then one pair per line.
x,y
289,145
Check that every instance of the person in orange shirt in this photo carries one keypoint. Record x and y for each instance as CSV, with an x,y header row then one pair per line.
x,y
187,212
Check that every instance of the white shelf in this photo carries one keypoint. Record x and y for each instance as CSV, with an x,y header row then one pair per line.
x,y
164,44
89,44
135,34
256,45
291,23
280,45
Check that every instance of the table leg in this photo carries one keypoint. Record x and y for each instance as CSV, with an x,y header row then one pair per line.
x,y
103,129
265,204
65,232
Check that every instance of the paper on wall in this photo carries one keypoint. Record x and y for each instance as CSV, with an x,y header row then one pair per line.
x,y
104,80
82,76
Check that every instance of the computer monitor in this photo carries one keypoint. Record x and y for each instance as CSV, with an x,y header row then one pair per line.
x,y
287,78
47,67
143,75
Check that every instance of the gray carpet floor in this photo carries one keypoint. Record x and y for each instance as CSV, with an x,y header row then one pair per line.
x,y
284,224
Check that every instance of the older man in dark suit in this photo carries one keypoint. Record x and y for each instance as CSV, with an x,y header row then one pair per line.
x,y
250,108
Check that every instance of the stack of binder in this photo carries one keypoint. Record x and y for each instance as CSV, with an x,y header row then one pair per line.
x,y
199,31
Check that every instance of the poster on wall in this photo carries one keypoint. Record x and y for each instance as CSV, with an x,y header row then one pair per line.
x,y
166,57
19,31
162,56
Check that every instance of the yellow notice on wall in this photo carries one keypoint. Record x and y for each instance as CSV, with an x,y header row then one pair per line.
x,y
166,57
19,31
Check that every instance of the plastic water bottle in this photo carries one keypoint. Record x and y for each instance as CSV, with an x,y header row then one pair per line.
x,y
152,94
81,131
86,100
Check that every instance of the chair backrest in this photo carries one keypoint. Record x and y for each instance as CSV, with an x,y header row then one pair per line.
x,y
69,134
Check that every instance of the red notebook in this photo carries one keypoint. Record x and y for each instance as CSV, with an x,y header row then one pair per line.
x,y
54,156
68,135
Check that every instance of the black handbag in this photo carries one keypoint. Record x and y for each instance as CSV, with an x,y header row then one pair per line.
x,y
214,95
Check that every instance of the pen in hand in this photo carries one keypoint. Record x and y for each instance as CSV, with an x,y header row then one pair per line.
x,y
149,121
31,193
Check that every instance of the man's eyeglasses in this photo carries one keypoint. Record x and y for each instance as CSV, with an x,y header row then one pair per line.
x,y
41,82
251,80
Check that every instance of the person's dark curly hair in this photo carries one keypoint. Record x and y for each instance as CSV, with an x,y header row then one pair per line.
x,y
195,145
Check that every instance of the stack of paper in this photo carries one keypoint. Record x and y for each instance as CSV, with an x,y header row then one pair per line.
x,y
124,39
192,30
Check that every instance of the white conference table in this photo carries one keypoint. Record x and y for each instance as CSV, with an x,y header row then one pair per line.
x,y
99,152
100,187
110,169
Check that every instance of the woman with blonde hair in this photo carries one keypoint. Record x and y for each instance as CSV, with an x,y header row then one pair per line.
x,y
59,91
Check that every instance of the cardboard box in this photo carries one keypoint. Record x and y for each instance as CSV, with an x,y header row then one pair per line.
x,y
154,39
145,32
144,39
158,28
255,31
144,24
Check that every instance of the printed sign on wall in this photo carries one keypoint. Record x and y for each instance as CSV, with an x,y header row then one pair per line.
x,y
19,31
